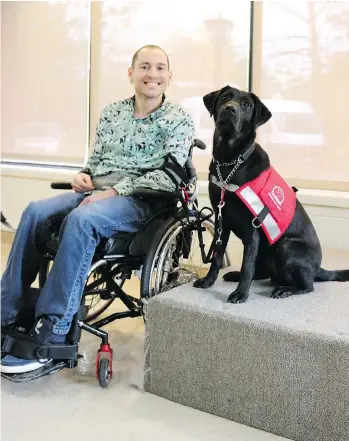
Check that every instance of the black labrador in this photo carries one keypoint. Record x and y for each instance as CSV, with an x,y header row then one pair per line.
x,y
293,261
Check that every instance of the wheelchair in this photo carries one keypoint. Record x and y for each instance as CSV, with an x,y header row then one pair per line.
x,y
168,251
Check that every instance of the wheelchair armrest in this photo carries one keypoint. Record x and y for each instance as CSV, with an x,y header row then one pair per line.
x,y
61,185
149,193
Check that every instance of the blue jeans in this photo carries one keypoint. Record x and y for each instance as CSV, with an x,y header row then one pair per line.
x,y
80,233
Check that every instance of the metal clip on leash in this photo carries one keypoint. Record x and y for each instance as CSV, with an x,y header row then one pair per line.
x,y
219,216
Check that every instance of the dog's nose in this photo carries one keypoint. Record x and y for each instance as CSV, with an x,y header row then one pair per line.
x,y
230,108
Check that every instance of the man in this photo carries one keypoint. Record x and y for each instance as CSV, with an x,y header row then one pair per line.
x,y
133,136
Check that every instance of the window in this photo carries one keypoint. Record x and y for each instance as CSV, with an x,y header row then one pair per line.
x,y
51,100
44,81
301,61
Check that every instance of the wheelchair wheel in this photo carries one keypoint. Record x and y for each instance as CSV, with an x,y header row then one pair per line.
x,y
174,257
94,287
104,373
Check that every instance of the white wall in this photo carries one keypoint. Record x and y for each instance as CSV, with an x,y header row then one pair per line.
x,y
328,210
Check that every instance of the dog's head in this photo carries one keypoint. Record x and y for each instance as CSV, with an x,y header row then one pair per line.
x,y
237,111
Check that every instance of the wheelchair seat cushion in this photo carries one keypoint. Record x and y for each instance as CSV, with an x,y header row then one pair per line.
x,y
118,244
134,244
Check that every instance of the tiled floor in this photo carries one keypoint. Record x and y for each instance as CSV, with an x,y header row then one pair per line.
x,y
71,405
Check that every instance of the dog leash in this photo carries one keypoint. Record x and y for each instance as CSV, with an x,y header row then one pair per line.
x,y
224,186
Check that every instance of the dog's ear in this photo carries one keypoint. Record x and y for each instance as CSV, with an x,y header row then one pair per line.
x,y
262,114
211,98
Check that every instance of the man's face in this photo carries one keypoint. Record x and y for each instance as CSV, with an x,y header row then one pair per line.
x,y
150,74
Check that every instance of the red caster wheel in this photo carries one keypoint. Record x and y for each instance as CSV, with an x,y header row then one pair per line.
x,y
104,370
104,373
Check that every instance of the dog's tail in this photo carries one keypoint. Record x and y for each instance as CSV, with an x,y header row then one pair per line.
x,y
332,276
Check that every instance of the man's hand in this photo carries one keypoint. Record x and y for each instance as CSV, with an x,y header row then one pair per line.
x,y
110,192
82,182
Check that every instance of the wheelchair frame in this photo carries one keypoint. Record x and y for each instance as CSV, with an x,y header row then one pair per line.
x,y
67,355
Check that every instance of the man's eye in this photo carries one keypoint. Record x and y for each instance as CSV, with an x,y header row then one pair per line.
x,y
246,103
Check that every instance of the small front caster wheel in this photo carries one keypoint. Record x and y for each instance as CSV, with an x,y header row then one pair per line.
x,y
104,372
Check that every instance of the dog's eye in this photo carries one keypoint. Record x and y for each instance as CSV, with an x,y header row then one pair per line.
x,y
246,103
224,98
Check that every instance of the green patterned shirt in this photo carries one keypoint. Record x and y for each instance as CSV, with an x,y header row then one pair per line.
x,y
132,149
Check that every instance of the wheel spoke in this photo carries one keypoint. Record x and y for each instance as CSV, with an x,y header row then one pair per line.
x,y
170,267
96,285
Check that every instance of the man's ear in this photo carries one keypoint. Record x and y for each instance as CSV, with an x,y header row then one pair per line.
x,y
129,74
262,114
211,98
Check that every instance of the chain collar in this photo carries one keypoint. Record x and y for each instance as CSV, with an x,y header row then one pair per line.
x,y
225,181
237,162
225,164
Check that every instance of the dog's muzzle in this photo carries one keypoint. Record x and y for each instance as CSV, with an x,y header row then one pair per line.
x,y
229,113
231,108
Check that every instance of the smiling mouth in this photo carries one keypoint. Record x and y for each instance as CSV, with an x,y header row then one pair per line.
x,y
152,83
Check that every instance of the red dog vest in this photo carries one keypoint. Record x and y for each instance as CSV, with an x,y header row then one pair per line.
x,y
270,190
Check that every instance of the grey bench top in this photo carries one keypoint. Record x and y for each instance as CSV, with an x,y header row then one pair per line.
x,y
324,311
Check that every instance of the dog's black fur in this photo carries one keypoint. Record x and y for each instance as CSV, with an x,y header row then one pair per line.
x,y
293,261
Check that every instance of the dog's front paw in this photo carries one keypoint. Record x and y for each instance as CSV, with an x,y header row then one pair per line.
x,y
238,297
205,282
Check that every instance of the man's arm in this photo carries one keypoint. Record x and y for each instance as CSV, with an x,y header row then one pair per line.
x,y
178,144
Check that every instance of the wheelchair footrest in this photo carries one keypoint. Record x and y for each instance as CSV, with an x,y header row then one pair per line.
x,y
49,368
24,346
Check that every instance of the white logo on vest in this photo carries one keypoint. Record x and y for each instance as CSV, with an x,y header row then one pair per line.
x,y
277,196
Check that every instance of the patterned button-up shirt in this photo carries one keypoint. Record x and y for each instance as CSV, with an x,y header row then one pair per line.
x,y
133,149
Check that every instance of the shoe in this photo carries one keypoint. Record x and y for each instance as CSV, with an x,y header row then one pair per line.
x,y
43,331
13,365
